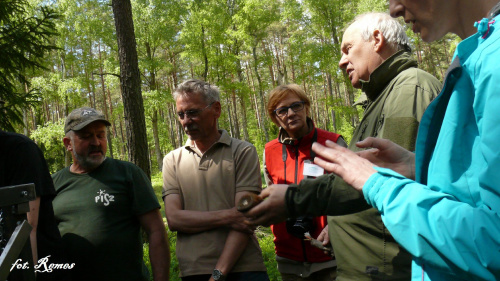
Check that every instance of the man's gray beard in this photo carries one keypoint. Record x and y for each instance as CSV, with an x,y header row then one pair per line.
x,y
88,163
84,161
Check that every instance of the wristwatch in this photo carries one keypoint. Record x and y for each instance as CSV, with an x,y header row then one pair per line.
x,y
218,276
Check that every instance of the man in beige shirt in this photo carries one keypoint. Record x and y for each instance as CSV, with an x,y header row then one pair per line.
x,y
201,183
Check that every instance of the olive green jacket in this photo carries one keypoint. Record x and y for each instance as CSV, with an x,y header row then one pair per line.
x,y
397,95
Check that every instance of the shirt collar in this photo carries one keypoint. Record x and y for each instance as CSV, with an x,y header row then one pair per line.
x,y
224,139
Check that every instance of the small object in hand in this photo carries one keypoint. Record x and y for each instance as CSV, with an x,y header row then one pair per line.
x,y
318,244
247,202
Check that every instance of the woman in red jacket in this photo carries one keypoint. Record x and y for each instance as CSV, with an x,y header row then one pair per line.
x,y
289,159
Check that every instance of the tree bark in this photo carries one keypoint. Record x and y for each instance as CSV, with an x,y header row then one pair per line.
x,y
261,94
130,84
205,56
172,126
105,106
236,123
154,118
241,79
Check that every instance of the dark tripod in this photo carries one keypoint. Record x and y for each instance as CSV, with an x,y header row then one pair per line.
x,y
15,232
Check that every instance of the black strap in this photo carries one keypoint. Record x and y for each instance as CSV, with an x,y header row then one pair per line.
x,y
314,139
284,154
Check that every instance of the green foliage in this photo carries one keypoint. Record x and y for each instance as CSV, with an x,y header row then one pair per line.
x,y
49,138
246,47
25,39
157,182
372,6
265,237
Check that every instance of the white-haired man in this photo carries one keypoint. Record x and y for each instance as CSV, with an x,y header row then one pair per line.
x,y
375,55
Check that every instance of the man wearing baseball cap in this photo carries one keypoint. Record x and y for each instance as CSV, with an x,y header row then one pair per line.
x,y
102,203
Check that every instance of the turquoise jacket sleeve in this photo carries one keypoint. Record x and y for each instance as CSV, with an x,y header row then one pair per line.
x,y
451,224
436,228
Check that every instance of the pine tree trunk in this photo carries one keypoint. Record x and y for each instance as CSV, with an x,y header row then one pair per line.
x,y
261,95
130,83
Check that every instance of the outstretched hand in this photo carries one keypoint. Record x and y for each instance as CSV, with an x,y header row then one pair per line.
x,y
339,160
387,154
272,210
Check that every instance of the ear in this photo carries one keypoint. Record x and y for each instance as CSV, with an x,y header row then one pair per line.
x,y
379,41
67,144
217,108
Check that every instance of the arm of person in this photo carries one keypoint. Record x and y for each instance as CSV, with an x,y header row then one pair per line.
x,y
236,243
456,237
189,221
437,229
314,197
159,251
32,217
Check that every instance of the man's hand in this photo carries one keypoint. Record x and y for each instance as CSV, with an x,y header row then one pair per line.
x,y
336,159
387,154
323,236
324,239
272,210
238,221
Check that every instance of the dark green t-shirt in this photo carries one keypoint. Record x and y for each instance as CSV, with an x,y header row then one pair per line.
x,y
97,214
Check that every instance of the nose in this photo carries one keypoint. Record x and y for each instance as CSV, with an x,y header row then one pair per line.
x,y
184,121
396,9
94,140
290,112
343,62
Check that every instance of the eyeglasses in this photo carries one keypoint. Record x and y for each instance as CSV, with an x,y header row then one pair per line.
x,y
192,114
283,111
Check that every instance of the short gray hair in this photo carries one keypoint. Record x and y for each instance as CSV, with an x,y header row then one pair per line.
x,y
392,30
209,92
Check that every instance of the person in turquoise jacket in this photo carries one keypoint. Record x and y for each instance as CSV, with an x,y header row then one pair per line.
x,y
441,203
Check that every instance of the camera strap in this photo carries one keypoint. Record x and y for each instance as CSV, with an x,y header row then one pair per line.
x,y
284,154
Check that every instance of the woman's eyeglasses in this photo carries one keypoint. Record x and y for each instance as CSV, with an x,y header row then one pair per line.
x,y
192,114
283,111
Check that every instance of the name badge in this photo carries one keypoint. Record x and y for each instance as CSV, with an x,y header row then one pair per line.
x,y
313,170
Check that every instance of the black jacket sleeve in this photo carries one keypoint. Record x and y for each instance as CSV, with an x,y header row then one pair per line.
x,y
325,195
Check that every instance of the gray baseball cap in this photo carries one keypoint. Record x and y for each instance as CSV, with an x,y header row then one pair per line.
x,y
81,117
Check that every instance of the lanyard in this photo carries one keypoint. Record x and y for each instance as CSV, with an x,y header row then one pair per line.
x,y
284,154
